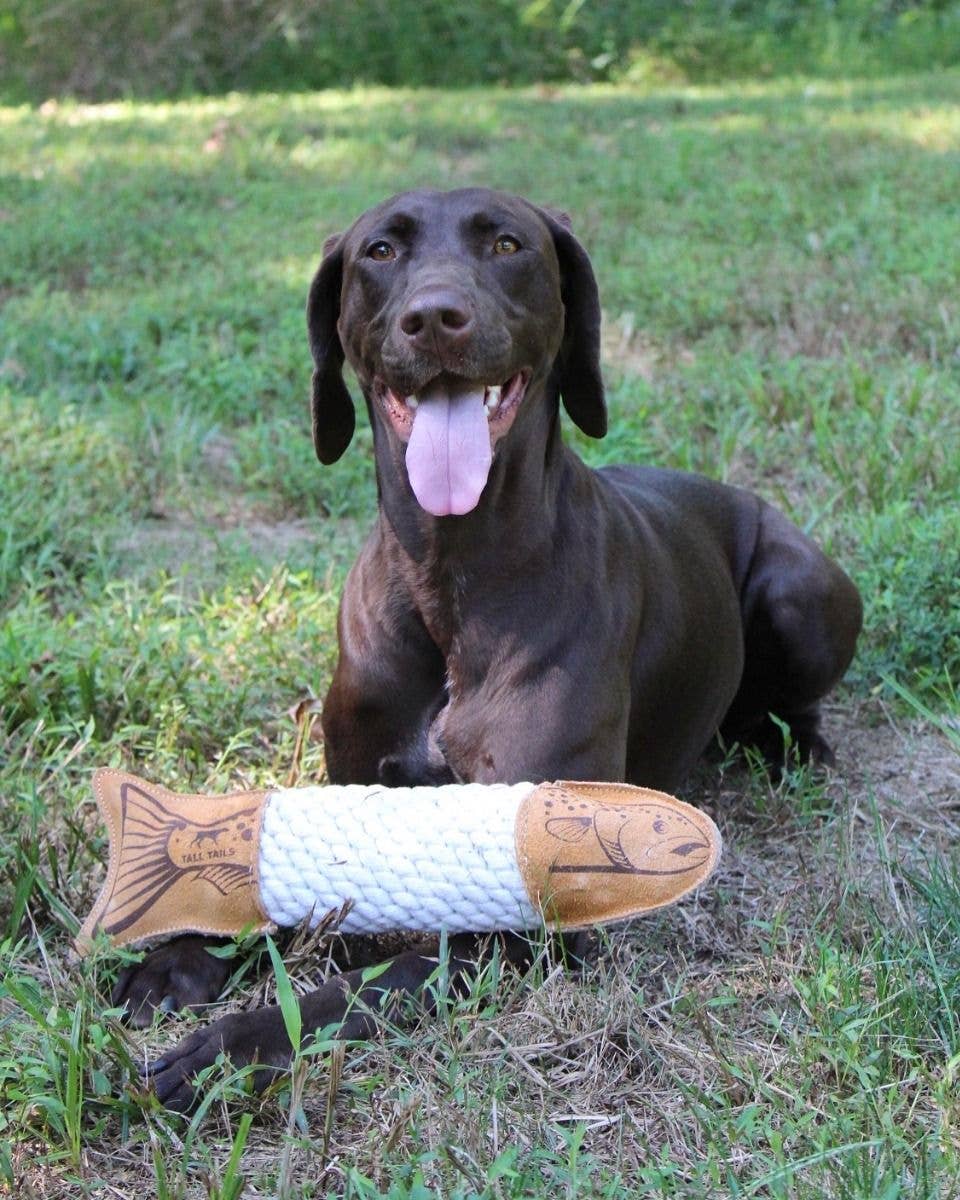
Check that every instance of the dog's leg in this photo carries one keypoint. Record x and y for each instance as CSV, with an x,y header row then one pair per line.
x,y
387,688
377,717
180,974
353,1004
802,615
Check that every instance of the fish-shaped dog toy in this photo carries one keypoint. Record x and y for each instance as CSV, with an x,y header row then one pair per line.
x,y
457,857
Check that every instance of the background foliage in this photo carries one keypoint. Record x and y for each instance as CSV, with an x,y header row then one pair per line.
x,y
108,48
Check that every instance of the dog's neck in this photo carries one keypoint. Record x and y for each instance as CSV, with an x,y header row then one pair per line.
x,y
452,563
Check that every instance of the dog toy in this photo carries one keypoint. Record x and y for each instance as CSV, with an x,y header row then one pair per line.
x,y
458,857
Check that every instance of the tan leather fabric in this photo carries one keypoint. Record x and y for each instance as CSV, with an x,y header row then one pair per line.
x,y
587,853
178,863
596,852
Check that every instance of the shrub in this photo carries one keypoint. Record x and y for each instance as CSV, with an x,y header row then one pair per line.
x,y
108,48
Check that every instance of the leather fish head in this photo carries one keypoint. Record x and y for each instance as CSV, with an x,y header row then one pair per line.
x,y
651,837
596,852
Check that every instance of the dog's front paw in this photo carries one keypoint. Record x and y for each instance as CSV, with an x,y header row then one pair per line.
x,y
181,974
244,1038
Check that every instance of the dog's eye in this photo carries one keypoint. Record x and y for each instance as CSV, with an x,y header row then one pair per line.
x,y
506,245
381,251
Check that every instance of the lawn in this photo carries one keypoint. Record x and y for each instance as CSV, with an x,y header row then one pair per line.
x,y
780,275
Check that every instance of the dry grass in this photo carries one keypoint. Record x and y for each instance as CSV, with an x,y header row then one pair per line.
x,y
695,1008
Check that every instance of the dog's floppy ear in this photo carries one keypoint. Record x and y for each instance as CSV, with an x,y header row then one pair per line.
x,y
581,385
332,408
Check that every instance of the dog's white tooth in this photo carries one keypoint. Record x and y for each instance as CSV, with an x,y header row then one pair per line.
x,y
493,392
412,402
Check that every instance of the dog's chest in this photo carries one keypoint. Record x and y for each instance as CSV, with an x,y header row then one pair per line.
x,y
438,593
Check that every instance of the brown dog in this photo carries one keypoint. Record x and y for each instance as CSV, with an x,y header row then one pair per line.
x,y
515,615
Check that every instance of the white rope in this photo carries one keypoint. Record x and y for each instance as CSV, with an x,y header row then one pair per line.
x,y
431,858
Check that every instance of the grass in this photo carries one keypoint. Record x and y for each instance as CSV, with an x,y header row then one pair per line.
x,y
780,279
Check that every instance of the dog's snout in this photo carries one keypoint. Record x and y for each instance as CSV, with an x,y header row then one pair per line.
x,y
437,318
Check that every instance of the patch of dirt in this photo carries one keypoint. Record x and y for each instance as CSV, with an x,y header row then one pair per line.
x,y
910,769
893,798
219,456
10,368
199,549
788,314
627,349
183,546
74,278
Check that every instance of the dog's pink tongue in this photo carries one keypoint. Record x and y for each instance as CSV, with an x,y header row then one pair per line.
x,y
448,455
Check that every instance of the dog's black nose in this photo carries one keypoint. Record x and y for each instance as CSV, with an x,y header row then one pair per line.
x,y
437,319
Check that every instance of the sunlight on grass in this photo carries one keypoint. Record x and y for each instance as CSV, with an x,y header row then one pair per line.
x,y
935,130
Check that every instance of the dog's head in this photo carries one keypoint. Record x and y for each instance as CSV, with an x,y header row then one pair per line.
x,y
452,307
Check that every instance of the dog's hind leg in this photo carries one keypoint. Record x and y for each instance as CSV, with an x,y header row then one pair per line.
x,y
801,616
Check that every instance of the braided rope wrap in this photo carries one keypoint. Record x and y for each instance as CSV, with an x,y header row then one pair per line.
x,y
421,858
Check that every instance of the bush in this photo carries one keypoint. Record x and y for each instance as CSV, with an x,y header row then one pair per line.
x,y
98,49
